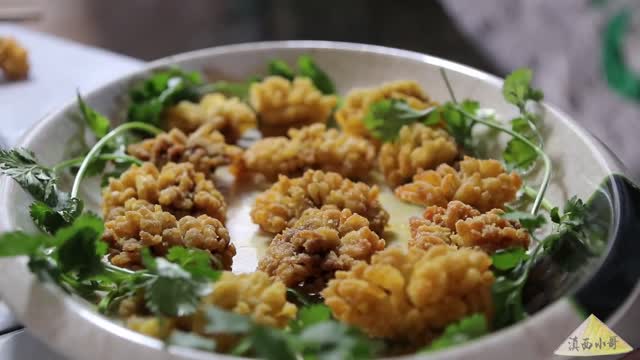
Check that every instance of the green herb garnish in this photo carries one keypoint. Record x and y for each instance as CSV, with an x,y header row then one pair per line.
x,y
460,332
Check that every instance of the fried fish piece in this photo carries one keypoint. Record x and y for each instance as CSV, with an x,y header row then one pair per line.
x,y
321,242
410,295
417,148
281,205
14,59
178,188
483,184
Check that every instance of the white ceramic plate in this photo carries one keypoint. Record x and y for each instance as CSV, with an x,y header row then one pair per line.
x,y
73,328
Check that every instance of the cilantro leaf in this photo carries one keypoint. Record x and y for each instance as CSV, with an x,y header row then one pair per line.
x,y
507,259
310,315
19,243
191,340
385,118
334,340
53,208
22,165
460,332
98,123
196,261
161,90
172,291
517,88
79,248
527,220
308,68
232,89
272,344
281,68
225,322
518,155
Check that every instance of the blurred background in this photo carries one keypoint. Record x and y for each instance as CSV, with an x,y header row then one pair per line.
x,y
581,50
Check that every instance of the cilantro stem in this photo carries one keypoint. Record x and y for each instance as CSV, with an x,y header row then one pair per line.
x,y
96,148
539,197
445,77
78,160
532,193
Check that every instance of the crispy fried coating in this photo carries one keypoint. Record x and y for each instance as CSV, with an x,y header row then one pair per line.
x,y
483,184
418,147
256,294
321,242
144,225
356,105
310,147
14,59
205,148
462,225
230,116
178,188
281,103
151,326
410,295
281,205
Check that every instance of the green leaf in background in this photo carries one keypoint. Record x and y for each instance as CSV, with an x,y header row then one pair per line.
x,y
98,123
334,340
191,340
161,90
465,330
281,68
78,250
526,219
517,88
19,243
308,68
507,259
196,261
385,118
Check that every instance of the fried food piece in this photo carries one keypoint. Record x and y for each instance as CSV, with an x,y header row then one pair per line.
x,y
462,225
14,59
256,294
230,116
410,295
283,104
205,149
321,242
311,147
483,184
144,225
281,205
356,105
418,147
178,188
151,326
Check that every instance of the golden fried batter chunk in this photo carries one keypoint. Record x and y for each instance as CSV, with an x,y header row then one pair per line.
x,y
282,103
409,295
178,188
205,148
483,184
230,116
281,205
14,59
357,103
418,147
151,326
144,225
321,242
311,147
256,295
462,225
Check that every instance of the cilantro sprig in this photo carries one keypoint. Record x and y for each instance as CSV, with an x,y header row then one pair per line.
x,y
308,68
465,330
